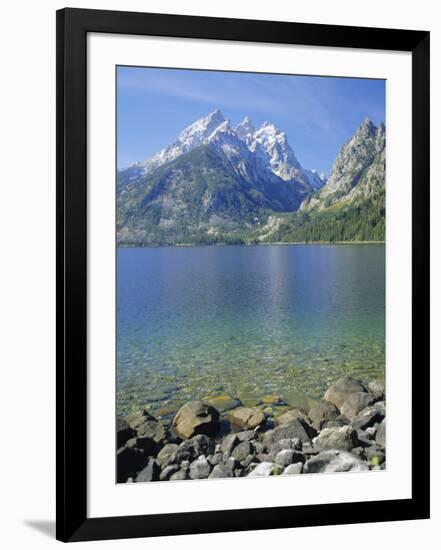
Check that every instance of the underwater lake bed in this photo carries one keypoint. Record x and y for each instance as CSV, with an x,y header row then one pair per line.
x,y
247,322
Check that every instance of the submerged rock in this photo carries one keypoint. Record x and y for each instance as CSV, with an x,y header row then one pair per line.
x,y
196,418
274,400
223,403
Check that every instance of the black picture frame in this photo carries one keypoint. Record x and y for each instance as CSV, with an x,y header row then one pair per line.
x,y
71,428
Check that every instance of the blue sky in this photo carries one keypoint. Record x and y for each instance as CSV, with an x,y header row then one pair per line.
x,y
318,114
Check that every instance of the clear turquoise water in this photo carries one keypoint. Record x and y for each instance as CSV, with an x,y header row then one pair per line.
x,y
246,321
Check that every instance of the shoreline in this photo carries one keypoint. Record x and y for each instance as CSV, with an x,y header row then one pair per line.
x,y
219,437
294,243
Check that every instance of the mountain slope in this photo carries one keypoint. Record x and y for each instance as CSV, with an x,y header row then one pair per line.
x,y
351,206
212,180
205,195
271,145
217,184
358,170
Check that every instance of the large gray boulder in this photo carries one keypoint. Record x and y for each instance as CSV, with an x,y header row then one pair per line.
x,y
180,474
334,461
321,412
380,437
289,416
356,403
215,458
288,456
247,418
135,419
150,433
242,451
193,448
151,428
336,423
294,443
344,438
200,468
296,429
378,389
369,416
229,443
293,469
264,469
150,472
342,389
167,454
195,418
221,470
247,435
168,471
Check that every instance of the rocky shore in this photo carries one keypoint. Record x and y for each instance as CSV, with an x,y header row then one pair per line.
x,y
220,438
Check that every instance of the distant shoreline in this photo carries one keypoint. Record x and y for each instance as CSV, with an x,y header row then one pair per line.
x,y
192,245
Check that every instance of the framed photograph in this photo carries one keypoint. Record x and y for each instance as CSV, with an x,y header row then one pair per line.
x,y
242,274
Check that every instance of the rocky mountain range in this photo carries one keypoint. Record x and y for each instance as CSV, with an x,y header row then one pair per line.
x,y
219,184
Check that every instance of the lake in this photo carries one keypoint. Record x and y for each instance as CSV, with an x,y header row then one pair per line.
x,y
247,321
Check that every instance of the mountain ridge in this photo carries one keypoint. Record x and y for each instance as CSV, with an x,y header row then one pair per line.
x,y
217,184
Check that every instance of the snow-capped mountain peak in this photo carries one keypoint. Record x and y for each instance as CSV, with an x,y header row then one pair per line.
x,y
268,145
281,157
223,128
245,130
201,128
194,135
